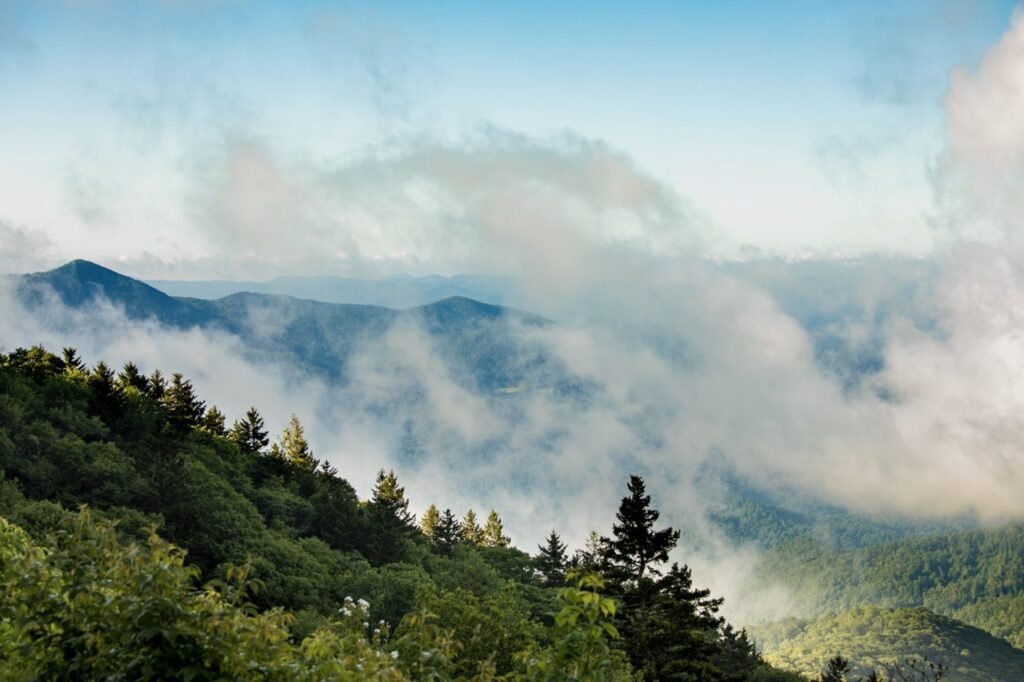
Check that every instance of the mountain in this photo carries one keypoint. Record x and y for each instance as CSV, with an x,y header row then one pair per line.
x,y
389,292
479,341
874,638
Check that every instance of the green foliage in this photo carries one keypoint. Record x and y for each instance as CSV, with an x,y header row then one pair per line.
x,y
584,629
976,576
636,546
493,534
875,638
249,434
551,560
83,599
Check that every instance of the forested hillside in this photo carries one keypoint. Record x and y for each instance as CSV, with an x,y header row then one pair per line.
x,y
976,576
263,521
874,638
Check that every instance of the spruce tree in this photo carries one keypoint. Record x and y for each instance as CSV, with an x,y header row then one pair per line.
x,y
104,400
551,561
248,433
446,532
428,522
72,362
156,385
213,422
389,496
184,408
390,522
588,558
470,531
494,532
294,449
131,379
636,545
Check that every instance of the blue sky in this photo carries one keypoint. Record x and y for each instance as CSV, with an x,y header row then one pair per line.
x,y
790,127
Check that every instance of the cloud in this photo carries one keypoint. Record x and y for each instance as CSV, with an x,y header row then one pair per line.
x,y
24,250
979,177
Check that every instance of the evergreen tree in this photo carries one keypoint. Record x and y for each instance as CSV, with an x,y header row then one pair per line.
x,y
389,517
636,545
835,670
588,558
129,378
156,385
72,363
213,421
294,449
470,531
446,532
551,561
494,532
389,496
428,522
248,433
184,409
105,400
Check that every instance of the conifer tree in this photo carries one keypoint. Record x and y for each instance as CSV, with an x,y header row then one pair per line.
x,y
389,496
105,400
391,523
72,362
156,385
446,532
248,433
293,447
636,545
494,532
213,422
428,522
470,531
551,561
184,408
588,558
129,378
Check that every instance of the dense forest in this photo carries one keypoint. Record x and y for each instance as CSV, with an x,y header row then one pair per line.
x,y
145,537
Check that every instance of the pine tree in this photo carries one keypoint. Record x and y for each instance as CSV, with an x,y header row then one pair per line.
x,y
390,522
390,496
588,558
248,433
494,532
428,522
105,400
184,409
551,561
293,447
72,362
636,545
446,532
130,379
470,531
156,385
213,422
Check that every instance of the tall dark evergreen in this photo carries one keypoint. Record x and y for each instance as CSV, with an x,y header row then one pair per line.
x,y
72,362
156,384
130,378
184,409
446,531
636,547
106,401
213,422
249,434
551,561
389,515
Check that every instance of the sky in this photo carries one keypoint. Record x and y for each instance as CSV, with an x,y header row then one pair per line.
x,y
183,137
